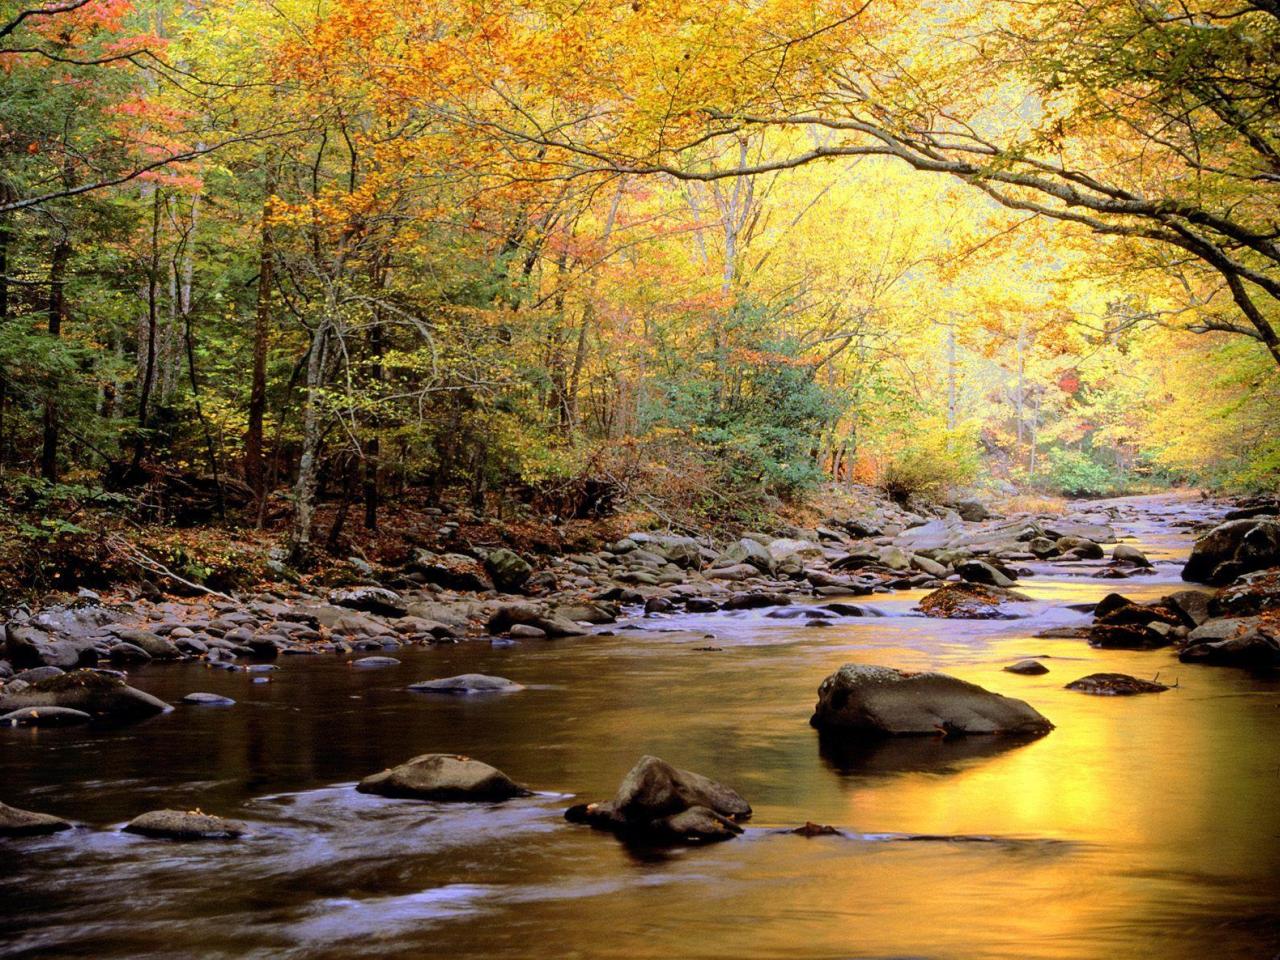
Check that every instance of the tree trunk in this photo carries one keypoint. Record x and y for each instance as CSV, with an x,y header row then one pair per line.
x,y
57,313
254,463
304,489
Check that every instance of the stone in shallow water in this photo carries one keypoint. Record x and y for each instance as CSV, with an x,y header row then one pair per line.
x,y
467,683
91,691
200,698
1114,685
443,776
860,701
184,825
1029,667
25,823
374,663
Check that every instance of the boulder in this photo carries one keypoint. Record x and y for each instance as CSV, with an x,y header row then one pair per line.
x,y
682,551
969,601
1078,548
1251,594
1114,685
184,825
443,776
978,571
785,549
453,571
28,646
745,551
508,569
1251,645
100,695
1233,548
466,683
735,573
972,511
1129,636
375,663
1029,668
24,823
1078,529
1124,553
660,804
155,646
895,558
128,653
370,600
1043,547
1191,605
867,702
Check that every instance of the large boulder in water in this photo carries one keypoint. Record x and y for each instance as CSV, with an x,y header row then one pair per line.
x,y
24,823
1234,548
868,702
657,802
100,695
28,646
443,776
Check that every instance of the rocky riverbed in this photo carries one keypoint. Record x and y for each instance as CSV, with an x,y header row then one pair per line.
x,y
563,687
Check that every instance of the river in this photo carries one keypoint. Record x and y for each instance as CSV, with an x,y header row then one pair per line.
x,y
1141,826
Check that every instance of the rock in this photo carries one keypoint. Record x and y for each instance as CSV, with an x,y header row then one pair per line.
x,y
701,605
443,776
1233,548
978,571
1252,647
785,549
845,609
658,605
682,551
375,663
1127,636
895,558
1191,605
128,653
1043,547
156,646
1251,594
811,829
595,612
658,803
184,825
931,567
1222,629
208,700
508,569
453,571
370,600
737,572
1029,668
28,646
100,695
745,551
525,631
24,823
972,511
1124,553
1079,529
36,674
44,717
467,683
1114,685
1079,548
868,702
969,601
755,600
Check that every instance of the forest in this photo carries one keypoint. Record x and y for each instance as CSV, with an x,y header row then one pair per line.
x,y
264,263
446,444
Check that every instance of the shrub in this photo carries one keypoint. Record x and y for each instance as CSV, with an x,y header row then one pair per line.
x,y
930,463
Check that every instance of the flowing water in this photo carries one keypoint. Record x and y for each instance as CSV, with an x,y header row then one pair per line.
x,y
1143,826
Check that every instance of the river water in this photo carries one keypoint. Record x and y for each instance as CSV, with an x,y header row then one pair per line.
x,y
1140,827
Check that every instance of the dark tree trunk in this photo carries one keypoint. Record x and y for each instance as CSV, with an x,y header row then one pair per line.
x,y
57,312
254,462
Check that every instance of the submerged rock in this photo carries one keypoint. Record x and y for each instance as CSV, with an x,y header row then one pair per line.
x,y
208,700
660,804
102,696
443,776
44,717
1114,685
1027,667
25,823
184,825
868,702
465,683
